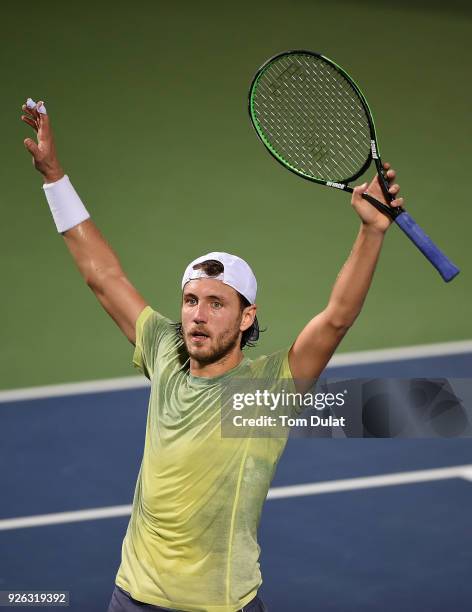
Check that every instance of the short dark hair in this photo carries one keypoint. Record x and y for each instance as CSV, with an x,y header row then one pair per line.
x,y
212,267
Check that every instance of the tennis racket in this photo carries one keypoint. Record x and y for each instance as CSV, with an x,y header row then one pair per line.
x,y
316,122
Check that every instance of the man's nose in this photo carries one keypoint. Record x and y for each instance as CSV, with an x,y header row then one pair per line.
x,y
200,313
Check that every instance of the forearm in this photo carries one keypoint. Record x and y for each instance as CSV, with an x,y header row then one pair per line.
x,y
354,280
94,257
101,269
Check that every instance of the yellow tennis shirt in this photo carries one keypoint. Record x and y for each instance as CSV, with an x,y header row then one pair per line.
x,y
191,543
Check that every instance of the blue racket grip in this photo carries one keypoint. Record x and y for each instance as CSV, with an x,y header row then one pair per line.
x,y
443,265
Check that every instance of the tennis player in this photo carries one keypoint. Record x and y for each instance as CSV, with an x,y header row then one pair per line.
x,y
191,542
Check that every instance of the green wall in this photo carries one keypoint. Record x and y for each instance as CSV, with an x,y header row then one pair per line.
x,y
148,102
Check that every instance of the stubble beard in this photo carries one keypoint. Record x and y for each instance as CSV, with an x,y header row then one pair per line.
x,y
222,346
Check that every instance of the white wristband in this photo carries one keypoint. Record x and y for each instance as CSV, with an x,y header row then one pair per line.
x,y
66,206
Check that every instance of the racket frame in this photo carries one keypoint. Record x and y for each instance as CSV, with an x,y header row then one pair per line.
x,y
374,153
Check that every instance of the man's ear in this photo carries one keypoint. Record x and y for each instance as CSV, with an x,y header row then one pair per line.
x,y
248,316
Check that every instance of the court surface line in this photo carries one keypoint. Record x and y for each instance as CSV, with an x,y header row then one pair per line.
x,y
138,382
315,488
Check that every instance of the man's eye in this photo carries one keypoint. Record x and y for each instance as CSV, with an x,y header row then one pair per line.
x,y
191,301
217,304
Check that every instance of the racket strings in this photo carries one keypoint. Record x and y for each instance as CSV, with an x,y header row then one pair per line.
x,y
310,116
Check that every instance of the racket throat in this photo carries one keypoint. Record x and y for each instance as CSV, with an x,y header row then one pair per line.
x,y
390,211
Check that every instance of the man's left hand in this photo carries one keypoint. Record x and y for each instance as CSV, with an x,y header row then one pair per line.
x,y
371,216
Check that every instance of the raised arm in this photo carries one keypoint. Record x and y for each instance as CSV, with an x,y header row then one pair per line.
x,y
97,262
317,342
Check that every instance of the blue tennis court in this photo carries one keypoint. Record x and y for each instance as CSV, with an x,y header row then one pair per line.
x,y
358,539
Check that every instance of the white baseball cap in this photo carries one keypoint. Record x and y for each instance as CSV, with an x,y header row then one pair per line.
x,y
237,274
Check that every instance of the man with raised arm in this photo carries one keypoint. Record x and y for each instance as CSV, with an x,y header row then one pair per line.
x,y
191,543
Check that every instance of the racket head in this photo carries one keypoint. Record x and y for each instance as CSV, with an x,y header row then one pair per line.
x,y
296,87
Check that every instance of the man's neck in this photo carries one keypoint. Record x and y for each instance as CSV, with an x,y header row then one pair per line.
x,y
217,368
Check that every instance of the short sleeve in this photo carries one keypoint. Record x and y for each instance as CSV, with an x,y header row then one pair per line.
x,y
273,367
151,327
285,371
275,371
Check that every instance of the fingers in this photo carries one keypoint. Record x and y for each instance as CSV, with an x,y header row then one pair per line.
x,y
30,103
360,189
36,106
28,112
30,107
36,117
397,202
31,146
43,121
30,122
31,114
34,110
394,188
390,173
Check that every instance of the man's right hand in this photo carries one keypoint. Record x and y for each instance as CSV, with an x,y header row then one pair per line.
x,y
44,151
